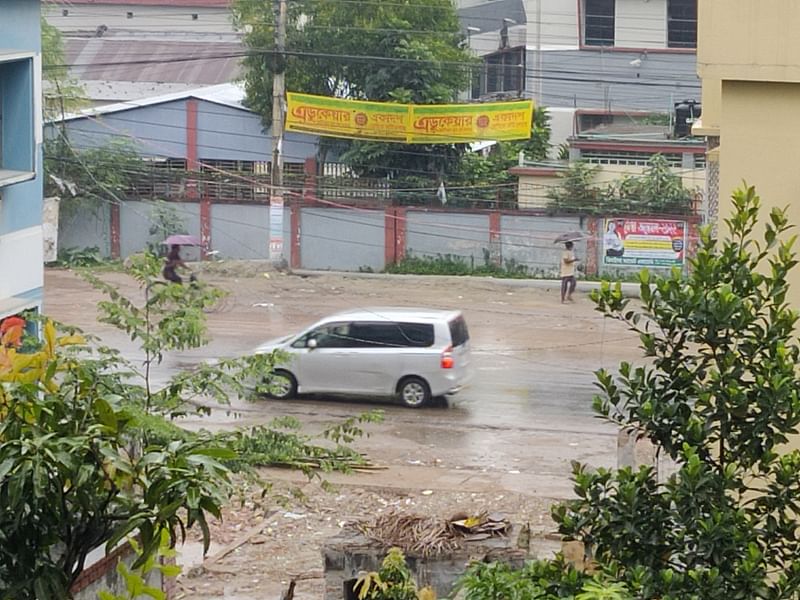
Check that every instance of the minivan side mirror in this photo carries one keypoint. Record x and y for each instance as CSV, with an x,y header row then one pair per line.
x,y
312,343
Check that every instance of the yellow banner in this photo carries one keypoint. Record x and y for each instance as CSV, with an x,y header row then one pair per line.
x,y
409,123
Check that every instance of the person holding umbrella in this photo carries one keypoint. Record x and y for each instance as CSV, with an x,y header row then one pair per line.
x,y
568,260
568,281
173,259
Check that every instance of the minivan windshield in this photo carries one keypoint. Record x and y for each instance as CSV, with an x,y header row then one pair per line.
x,y
459,334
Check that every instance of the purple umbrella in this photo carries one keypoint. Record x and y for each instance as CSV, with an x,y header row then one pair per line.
x,y
182,239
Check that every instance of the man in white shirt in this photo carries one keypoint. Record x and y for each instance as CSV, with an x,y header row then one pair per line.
x,y
568,282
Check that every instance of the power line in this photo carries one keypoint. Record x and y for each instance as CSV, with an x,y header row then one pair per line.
x,y
373,58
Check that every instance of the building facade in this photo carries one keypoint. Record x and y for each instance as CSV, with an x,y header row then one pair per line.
x,y
21,248
586,54
747,59
124,50
205,152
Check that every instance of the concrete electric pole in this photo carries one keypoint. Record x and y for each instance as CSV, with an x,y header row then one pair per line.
x,y
278,105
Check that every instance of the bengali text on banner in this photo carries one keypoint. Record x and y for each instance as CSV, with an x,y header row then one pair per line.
x,y
409,123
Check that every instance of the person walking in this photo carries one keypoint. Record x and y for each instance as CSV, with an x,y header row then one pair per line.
x,y
568,282
171,264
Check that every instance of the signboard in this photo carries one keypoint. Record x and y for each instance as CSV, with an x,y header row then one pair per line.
x,y
644,243
276,228
409,123
459,123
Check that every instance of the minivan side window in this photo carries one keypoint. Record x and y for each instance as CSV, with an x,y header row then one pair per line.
x,y
330,335
392,335
459,334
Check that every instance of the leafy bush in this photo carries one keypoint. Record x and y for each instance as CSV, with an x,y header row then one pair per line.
x,y
719,396
538,580
79,257
450,264
89,456
393,581
656,191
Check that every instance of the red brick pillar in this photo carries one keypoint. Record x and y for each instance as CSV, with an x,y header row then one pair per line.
x,y
191,135
115,230
495,247
205,227
400,226
394,234
294,216
592,268
389,236
310,182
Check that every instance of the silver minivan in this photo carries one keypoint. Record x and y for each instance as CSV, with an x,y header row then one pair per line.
x,y
414,354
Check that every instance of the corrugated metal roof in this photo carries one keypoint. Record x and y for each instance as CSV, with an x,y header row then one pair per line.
x,y
202,63
197,3
227,94
488,16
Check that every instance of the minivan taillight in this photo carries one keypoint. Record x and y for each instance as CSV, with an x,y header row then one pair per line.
x,y
447,358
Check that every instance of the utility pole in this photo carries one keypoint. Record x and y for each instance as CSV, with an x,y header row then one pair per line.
x,y
278,103
538,80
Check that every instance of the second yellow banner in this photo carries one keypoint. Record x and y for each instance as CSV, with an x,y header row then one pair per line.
x,y
409,123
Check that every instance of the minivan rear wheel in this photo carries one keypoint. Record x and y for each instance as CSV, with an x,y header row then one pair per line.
x,y
282,385
414,392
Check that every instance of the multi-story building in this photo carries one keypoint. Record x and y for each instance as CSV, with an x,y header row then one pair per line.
x,y
587,54
121,50
747,59
21,248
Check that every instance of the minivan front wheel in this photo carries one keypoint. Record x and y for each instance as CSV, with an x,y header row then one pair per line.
x,y
282,385
414,392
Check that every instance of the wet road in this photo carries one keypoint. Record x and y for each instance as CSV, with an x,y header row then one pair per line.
x,y
526,415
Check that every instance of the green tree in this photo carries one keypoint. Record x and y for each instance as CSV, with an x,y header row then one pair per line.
x,y
61,93
88,179
486,178
89,455
658,190
393,581
409,51
577,192
69,481
718,395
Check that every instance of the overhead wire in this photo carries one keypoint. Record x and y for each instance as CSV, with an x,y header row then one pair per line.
x,y
601,341
484,309
147,11
591,76
435,234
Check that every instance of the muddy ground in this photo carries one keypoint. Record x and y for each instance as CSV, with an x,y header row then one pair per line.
x,y
505,444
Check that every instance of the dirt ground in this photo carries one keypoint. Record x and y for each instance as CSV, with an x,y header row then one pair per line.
x,y
503,445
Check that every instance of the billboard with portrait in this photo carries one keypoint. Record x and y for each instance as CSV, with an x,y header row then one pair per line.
x,y
633,242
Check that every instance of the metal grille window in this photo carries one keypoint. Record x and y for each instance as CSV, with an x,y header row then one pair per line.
x,y
682,24
505,71
599,22
624,157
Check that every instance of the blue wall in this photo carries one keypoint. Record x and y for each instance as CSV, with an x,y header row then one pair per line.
x,y
20,25
158,130
20,31
223,133
16,104
22,202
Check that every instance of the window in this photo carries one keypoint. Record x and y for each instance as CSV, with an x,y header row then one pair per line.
x,y
598,22
392,335
332,335
505,71
17,145
682,23
459,333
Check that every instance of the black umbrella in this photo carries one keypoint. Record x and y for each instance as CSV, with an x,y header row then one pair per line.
x,y
569,236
